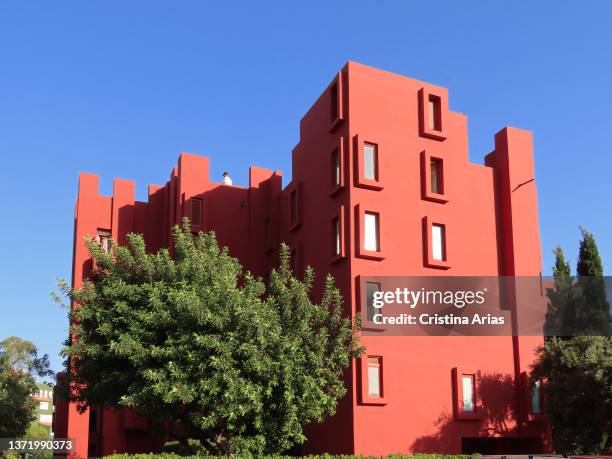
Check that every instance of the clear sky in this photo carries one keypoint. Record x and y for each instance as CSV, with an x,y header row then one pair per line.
x,y
119,88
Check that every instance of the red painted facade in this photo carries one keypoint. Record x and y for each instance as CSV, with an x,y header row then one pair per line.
x,y
490,220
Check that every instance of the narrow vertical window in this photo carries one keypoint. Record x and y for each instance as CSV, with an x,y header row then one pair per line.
x,y
435,113
294,209
335,168
536,407
435,167
374,377
371,289
371,239
196,212
334,101
467,382
370,161
337,237
438,243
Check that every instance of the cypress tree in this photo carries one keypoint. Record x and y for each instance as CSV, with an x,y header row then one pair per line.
x,y
559,316
593,312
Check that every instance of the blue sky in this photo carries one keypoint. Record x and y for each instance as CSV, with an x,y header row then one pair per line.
x,y
120,88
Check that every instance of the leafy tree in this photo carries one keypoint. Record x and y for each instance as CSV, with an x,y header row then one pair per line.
x,y
575,366
577,390
19,363
199,346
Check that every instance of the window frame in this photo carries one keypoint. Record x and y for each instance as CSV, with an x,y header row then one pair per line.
x,y
295,205
428,259
336,90
364,367
338,151
440,100
457,375
103,237
359,143
426,182
338,231
195,203
360,230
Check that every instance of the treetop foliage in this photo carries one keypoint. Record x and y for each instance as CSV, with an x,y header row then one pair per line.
x,y
203,348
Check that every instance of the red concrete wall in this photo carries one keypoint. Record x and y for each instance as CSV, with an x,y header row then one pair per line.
x,y
490,213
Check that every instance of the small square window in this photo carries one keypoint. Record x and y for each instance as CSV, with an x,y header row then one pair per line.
x,y
438,242
370,161
371,230
374,377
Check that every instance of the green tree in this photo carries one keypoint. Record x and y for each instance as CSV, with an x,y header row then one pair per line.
x,y
593,312
19,364
560,312
199,346
577,390
575,366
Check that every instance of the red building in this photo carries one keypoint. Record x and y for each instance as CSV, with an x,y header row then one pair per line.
x,y
381,186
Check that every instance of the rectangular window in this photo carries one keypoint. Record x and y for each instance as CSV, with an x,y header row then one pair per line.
x,y
44,406
333,92
370,161
196,211
374,377
435,167
435,113
46,418
438,242
337,237
335,167
536,407
103,237
467,382
371,289
371,240
294,209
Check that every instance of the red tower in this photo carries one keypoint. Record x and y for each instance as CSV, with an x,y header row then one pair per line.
x,y
381,186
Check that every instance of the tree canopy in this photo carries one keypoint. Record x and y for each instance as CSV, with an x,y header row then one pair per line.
x,y
204,348
19,364
575,363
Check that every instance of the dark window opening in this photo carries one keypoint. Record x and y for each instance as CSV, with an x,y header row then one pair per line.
x,y
196,212
335,169
435,113
437,185
334,101
337,237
